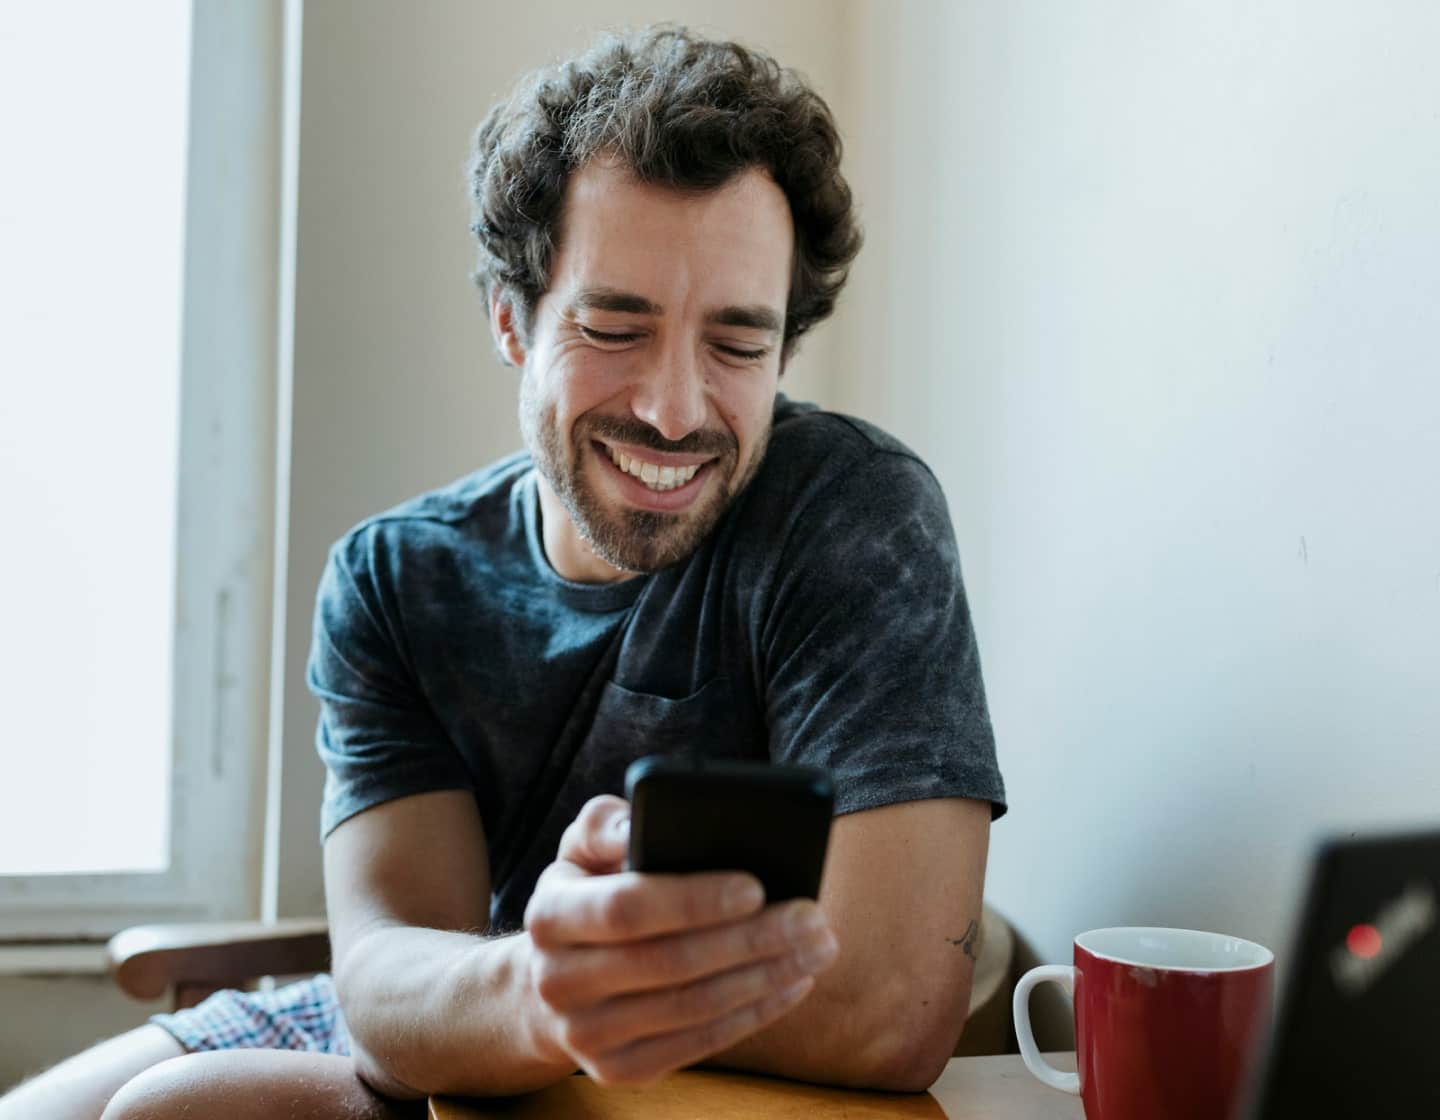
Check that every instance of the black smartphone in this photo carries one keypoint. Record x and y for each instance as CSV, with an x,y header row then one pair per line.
x,y
719,815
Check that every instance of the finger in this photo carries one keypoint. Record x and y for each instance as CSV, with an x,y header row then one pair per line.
x,y
596,840
581,976
648,1059
628,1018
630,906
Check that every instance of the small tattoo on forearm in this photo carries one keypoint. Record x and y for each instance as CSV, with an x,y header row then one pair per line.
x,y
967,942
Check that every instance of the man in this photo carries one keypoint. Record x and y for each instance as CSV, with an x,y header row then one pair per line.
x,y
683,562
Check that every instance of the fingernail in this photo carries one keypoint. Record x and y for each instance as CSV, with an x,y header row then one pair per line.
x,y
794,991
814,957
804,922
620,826
743,896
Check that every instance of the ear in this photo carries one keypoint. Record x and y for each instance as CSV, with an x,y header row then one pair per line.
x,y
505,327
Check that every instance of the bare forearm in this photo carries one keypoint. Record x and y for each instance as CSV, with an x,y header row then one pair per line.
x,y
866,1036
432,1011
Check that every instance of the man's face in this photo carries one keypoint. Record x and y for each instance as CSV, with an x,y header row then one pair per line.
x,y
652,365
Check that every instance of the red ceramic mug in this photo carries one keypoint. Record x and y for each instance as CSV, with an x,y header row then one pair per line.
x,y
1167,1022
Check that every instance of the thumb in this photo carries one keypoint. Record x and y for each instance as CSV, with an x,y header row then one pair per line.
x,y
598,838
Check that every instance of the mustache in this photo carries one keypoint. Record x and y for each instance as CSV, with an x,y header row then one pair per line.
x,y
641,434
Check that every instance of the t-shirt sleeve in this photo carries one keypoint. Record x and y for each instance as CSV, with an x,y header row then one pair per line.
x,y
872,665
377,736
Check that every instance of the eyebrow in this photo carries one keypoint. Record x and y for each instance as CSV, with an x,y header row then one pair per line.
x,y
613,299
754,316
757,317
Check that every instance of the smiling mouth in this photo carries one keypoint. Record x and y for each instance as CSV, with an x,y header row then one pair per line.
x,y
654,476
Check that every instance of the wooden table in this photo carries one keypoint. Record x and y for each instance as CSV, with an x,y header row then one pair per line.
x,y
998,1088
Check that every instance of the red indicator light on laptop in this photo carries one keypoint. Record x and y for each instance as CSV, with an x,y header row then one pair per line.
x,y
1363,941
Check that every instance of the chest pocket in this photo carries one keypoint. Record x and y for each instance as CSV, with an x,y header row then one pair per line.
x,y
629,725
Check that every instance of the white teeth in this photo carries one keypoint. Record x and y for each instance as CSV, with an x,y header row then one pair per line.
x,y
655,477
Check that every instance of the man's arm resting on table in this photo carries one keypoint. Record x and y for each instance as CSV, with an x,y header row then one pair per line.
x,y
425,992
902,885
627,976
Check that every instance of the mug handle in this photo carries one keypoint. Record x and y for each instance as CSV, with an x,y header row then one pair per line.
x,y
1064,975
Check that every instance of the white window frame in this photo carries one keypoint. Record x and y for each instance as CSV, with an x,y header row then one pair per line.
x,y
225,535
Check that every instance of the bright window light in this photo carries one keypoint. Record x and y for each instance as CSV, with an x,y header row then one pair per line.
x,y
93,111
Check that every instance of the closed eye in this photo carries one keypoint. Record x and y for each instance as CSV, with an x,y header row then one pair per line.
x,y
606,336
742,354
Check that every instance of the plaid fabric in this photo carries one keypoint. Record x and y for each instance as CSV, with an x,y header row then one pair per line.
x,y
299,1016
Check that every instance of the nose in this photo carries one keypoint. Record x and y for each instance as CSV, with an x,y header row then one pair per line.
x,y
670,396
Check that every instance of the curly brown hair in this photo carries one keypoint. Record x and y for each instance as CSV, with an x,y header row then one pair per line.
x,y
683,112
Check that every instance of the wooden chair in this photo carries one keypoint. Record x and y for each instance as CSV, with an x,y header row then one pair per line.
x,y
189,962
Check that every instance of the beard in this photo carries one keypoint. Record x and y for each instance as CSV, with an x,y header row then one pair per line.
x,y
633,540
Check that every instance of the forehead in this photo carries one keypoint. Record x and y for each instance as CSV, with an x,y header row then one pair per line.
x,y
729,245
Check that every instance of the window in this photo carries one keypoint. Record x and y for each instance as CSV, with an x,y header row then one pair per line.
x,y
136,458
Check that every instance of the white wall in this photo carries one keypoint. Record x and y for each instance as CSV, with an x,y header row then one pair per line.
x,y
1161,309
396,388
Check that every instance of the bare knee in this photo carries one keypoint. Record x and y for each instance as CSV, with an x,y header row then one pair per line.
x,y
157,1092
241,1084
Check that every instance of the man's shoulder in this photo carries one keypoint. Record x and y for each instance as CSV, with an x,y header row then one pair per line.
x,y
819,456
476,506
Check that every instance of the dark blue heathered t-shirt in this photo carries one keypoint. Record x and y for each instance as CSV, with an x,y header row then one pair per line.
x,y
822,622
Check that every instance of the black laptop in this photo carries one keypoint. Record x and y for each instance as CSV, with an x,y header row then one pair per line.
x,y
1357,1031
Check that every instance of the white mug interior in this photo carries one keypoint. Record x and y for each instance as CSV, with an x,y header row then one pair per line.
x,y
1187,950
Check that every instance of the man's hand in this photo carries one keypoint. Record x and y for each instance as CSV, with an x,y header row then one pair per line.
x,y
643,974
